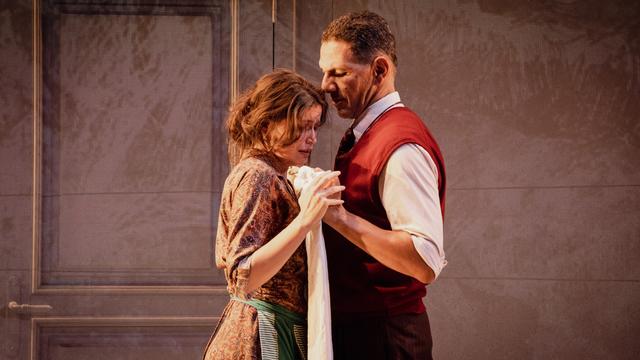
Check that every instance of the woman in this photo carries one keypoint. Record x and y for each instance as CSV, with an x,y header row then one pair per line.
x,y
262,223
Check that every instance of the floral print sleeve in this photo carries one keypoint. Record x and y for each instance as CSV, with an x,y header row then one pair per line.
x,y
257,203
249,217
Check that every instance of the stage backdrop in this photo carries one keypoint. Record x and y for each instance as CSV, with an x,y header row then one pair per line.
x,y
113,153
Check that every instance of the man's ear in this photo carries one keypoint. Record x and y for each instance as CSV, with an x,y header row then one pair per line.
x,y
381,68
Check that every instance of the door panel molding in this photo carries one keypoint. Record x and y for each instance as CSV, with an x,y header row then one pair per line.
x,y
116,332
221,69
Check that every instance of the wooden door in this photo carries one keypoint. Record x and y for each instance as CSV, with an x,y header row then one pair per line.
x,y
114,155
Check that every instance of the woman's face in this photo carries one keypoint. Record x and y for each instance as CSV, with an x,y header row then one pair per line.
x,y
297,154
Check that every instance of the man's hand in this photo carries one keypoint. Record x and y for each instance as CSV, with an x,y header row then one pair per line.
x,y
335,213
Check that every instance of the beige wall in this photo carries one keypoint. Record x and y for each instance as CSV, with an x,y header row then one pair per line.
x,y
113,157
15,167
535,106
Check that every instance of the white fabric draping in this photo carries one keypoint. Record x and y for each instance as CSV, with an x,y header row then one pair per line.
x,y
319,344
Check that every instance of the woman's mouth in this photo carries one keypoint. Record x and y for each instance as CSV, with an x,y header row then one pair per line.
x,y
306,153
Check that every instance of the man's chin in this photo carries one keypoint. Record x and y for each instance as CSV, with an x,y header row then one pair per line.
x,y
345,113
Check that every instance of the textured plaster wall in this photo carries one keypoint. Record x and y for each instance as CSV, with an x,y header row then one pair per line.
x,y
536,106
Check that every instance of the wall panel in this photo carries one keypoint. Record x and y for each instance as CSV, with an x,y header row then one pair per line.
x,y
151,338
132,147
534,105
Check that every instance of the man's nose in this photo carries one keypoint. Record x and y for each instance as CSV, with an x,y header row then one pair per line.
x,y
327,84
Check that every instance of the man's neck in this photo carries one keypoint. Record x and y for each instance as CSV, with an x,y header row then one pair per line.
x,y
373,111
382,92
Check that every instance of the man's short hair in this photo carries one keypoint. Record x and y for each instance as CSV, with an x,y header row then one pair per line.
x,y
367,32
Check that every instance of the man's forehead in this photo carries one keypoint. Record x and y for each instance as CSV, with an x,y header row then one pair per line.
x,y
334,53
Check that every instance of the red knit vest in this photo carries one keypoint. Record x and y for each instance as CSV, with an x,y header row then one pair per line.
x,y
360,285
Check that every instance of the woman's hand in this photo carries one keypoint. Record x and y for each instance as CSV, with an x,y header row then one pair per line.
x,y
317,196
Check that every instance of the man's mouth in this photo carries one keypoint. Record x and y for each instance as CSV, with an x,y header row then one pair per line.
x,y
337,100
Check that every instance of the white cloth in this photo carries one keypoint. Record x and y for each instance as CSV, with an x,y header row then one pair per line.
x,y
319,343
409,190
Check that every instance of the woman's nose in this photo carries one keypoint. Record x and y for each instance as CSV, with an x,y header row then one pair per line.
x,y
312,137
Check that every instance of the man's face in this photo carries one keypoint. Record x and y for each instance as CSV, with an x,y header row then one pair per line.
x,y
349,83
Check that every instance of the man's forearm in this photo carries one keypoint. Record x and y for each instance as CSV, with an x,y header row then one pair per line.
x,y
393,248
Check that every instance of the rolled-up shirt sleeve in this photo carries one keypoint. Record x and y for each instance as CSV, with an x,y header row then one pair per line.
x,y
408,188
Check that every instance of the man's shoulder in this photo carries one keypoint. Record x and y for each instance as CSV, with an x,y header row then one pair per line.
x,y
400,120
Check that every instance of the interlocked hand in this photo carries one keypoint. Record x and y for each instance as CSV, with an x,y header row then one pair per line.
x,y
320,193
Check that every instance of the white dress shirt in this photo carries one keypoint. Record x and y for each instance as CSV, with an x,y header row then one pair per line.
x,y
408,189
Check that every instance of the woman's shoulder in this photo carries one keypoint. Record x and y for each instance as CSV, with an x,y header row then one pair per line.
x,y
253,172
255,166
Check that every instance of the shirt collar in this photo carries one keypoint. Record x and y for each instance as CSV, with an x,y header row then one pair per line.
x,y
374,110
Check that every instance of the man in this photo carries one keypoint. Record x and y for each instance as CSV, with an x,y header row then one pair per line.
x,y
385,243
